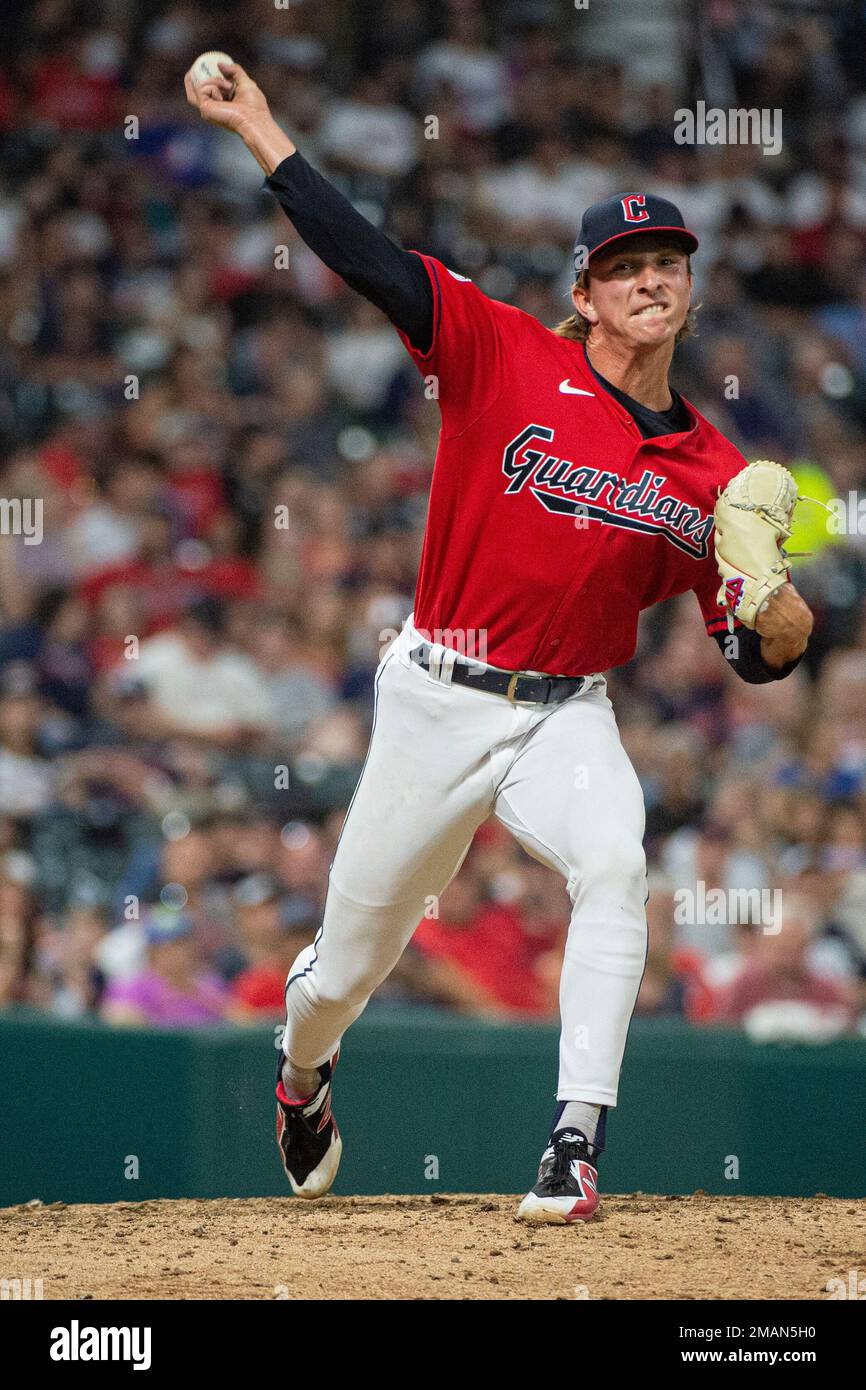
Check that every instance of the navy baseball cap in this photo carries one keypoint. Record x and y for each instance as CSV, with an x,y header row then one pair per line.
x,y
164,924
628,215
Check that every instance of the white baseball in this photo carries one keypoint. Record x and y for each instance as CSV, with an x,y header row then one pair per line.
x,y
205,68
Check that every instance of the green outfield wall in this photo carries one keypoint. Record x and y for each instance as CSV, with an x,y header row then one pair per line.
x,y
425,1103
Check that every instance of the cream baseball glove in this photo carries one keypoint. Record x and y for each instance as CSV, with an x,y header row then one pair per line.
x,y
753,518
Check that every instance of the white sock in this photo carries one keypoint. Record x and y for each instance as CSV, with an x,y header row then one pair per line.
x,y
582,1115
299,1083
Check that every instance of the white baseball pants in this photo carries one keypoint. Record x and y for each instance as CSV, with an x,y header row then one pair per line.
x,y
442,757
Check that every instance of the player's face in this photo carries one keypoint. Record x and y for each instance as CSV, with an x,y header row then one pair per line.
x,y
638,293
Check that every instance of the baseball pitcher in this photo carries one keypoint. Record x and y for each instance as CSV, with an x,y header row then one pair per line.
x,y
572,488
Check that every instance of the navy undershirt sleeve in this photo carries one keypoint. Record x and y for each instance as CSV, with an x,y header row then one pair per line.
x,y
395,280
747,660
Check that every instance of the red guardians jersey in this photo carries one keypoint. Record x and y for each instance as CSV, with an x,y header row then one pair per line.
x,y
552,523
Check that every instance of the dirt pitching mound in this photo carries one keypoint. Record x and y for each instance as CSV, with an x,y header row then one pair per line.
x,y
440,1247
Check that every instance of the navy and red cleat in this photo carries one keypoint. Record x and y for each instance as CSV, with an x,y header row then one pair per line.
x,y
567,1186
307,1135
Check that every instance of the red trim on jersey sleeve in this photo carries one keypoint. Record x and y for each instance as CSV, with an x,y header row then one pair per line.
x,y
468,352
714,614
714,625
432,274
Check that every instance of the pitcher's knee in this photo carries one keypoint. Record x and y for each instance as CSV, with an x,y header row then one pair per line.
x,y
324,991
350,995
616,866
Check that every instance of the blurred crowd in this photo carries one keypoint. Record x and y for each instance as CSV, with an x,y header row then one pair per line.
x,y
232,452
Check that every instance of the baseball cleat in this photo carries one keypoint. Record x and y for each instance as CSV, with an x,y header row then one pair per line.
x,y
567,1187
307,1135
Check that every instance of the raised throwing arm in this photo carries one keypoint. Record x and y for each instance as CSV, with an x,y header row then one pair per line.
x,y
391,278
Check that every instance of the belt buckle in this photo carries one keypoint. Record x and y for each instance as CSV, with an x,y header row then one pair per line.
x,y
512,686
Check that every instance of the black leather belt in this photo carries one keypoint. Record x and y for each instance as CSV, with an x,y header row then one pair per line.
x,y
520,687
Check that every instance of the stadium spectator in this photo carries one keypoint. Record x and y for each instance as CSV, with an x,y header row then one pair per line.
x,y
175,989
201,685
73,981
26,778
777,993
481,958
271,934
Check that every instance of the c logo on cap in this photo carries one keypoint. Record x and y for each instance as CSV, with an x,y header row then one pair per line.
x,y
633,209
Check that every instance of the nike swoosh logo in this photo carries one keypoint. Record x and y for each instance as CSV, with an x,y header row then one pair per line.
x,y
573,390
